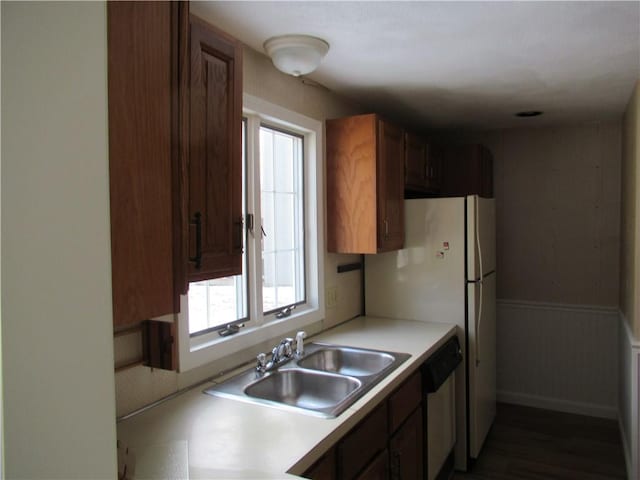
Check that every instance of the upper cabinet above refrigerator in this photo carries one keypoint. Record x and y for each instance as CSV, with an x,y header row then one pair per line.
x,y
466,170
422,166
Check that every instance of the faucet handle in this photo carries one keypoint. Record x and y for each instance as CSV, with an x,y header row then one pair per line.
x,y
288,347
262,362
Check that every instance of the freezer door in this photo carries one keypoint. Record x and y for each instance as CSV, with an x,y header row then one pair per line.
x,y
482,360
481,236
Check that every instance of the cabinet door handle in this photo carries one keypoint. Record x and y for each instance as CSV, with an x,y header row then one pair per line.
x,y
386,228
197,222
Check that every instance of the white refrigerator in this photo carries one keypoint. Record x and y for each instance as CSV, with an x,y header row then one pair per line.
x,y
446,273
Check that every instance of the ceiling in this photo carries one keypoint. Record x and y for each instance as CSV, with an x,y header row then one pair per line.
x,y
460,64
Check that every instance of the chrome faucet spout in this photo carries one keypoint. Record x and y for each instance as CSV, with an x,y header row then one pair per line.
x,y
279,354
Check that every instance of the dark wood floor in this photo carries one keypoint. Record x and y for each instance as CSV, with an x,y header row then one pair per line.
x,y
533,444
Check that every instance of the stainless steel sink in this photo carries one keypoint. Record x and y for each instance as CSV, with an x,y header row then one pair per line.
x,y
325,381
321,392
348,361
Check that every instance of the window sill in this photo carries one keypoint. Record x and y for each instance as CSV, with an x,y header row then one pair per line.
x,y
197,352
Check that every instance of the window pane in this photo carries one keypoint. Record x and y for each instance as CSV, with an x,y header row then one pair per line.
x,y
215,303
284,148
281,167
284,229
266,161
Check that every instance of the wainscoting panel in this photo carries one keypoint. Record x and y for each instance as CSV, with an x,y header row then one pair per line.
x,y
559,357
629,398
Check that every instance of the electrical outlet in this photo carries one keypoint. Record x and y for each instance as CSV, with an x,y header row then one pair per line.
x,y
331,296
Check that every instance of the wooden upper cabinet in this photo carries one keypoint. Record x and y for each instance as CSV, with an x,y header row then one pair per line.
x,y
423,167
434,171
175,147
390,187
365,184
141,70
467,170
215,228
415,162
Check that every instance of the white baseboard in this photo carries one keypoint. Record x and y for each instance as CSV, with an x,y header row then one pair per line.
x,y
559,405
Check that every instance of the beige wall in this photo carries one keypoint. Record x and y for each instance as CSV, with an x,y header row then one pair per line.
x,y
57,356
140,386
630,221
558,198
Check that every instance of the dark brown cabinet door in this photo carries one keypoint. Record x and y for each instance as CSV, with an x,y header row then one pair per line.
x,y
323,469
363,443
215,230
390,187
140,72
404,400
467,170
423,166
434,172
415,163
378,469
406,454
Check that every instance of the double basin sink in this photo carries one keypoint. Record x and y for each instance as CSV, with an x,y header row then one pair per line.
x,y
325,381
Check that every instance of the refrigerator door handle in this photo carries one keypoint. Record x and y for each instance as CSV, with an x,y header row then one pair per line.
x,y
478,245
478,321
481,277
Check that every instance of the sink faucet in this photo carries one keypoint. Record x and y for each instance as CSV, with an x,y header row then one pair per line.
x,y
280,353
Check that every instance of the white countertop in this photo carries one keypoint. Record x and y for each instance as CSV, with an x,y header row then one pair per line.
x,y
212,437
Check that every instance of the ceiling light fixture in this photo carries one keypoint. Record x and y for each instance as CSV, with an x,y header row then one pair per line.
x,y
296,54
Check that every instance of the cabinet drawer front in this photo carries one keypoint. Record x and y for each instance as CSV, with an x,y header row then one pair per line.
x,y
361,444
404,401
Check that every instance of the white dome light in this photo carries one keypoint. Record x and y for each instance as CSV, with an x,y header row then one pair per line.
x,y
296,54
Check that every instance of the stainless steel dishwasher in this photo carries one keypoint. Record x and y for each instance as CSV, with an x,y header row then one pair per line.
x,y
438,380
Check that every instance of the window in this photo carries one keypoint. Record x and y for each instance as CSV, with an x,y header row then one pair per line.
x,y
284,241
281,199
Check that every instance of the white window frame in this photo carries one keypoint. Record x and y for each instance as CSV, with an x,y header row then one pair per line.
x,y
202,349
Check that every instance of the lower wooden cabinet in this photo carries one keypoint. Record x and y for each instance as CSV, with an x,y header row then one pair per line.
x,y
378,469
325,468
404,401
387,444
360,445
406,452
